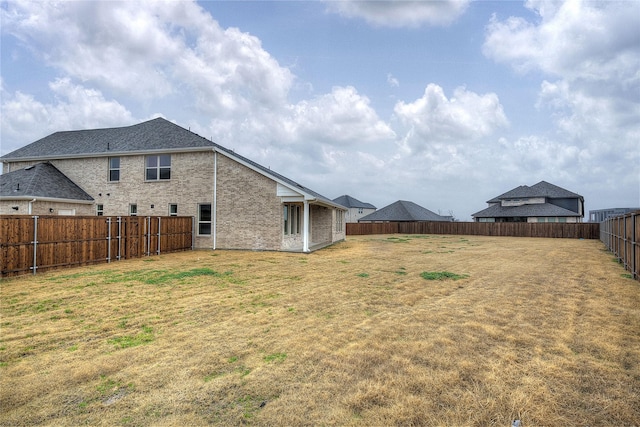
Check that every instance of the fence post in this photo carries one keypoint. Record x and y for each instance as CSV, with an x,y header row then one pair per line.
x,y
109,239
158,251
193,233
624,242
634,243
148,233
119,237
35,244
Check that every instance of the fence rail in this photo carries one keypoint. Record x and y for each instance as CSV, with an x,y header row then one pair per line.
x,y
621,235
30,244
516,229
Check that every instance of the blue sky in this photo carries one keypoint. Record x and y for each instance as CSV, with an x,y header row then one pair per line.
x,y
443,103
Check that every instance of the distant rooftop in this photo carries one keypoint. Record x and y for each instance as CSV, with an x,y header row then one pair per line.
x,y
403,210
352,202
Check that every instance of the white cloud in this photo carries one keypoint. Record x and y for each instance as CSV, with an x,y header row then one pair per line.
x,y
158,48
401,13
591,41
434,118
24,119
393,82
590,51
342,117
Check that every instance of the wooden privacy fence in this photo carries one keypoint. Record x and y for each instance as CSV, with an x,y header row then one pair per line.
x,y
583,230
29,244
621,235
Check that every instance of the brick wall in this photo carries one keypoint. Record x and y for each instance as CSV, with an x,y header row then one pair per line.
x,y
249,214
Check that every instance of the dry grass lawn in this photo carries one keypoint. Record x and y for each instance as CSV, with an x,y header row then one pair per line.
x,y
546,331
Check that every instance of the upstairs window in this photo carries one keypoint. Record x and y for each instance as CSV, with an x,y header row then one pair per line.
x,y
158,168
173,209
100,210
114,169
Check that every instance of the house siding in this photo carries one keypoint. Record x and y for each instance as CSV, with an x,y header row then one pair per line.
x,y
248,213
352,214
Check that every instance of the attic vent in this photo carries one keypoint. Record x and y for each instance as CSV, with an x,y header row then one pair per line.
x,y
29,167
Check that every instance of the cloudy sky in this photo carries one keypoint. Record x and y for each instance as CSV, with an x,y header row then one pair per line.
x,y
443,103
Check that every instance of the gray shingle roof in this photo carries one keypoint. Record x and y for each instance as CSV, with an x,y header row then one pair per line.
x,y
352,202
41,180
155,135
541,189
403,210
532,210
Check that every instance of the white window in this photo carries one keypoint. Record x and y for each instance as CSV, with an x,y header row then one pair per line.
x,y
204,219
114,169
292,219
173,209
339,219
158,168
133,209
99,210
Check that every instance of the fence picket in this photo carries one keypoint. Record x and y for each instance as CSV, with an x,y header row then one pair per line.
x,y
40,243
621,235
551,230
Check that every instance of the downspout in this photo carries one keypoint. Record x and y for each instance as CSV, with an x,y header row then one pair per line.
x,y
305,234
215,196
30,205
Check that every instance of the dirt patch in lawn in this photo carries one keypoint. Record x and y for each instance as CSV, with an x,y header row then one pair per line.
x,y
377,330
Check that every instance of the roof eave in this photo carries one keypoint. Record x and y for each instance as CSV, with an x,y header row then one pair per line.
x,y
307,196
46,199
5,159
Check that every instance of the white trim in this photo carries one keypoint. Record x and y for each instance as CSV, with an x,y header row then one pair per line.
x,y
305,228
214,208
307,196
48,199
107,154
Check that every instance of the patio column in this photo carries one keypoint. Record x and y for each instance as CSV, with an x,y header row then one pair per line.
x,y
305,228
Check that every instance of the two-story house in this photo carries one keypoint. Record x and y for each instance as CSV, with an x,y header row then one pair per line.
x,y
356,208
542,202
157,168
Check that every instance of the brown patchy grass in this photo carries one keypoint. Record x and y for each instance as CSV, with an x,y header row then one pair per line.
x,y
542,330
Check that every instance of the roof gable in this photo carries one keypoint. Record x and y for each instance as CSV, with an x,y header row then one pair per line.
x,y
532,210
153,135
352,202
403,210
42,180
541,189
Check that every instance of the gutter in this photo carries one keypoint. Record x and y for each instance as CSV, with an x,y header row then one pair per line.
x,y
31,204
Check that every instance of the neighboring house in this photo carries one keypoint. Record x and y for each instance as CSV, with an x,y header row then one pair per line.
x,y
600,215
403,211
41,189
157,168
542,202
357,209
